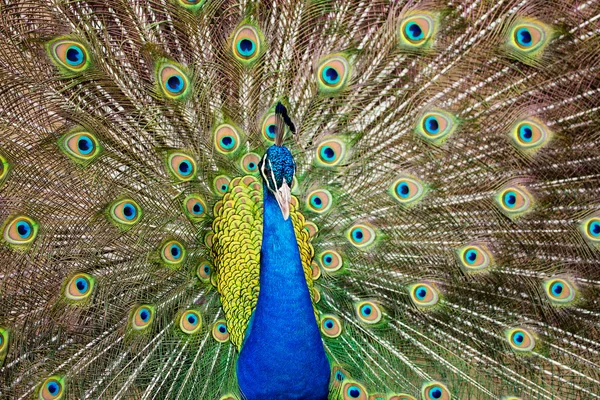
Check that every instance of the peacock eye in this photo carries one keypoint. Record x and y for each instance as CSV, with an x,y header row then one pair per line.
x,y
435,391
142,317
70,55
227,139
331,326
52,389
407,191
221,184
173,253
354,391
125,212
220,331
530,135
514,201
79,287
332,73
591,229
474,257
330,153
173,81
417,30
368,312
361,235
436,126
190,322
331,261
194,207
192,5
520,339
21,230
319,201
81,147
182,166
559,291
250,162
528,36
203,271
424,295
247,44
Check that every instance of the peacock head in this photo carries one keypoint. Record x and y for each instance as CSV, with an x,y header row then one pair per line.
x,y
277,169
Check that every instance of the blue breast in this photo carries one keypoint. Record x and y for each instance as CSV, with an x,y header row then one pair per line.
x,y
283,355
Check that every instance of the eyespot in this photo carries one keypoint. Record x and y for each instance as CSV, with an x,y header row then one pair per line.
x,y
220,331
316,271
4,168
70,55
530,135
221,184
591,229
203,271
21,230
339,374
194,207
142,317
417,30
173,81
435,391
514,201
125,212
81,147
361,235
182,166
368,312
227,139
402,396
330,153
354,391
312,228
190,322
436,126
331,326
528,37
407,191
173,252
269,127
520,340
4,338
52,388
424,295
559,291
79,287
330,260
250,162
247,44
332,74
319,201
474,257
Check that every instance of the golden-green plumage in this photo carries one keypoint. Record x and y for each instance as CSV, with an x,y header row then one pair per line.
x,y
236,244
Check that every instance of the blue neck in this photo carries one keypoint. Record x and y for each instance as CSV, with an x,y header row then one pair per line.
x,y
282,356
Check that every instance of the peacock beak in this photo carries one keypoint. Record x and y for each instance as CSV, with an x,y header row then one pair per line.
x,y
284,198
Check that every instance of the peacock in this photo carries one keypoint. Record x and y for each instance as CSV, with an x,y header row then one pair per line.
x,y
300,199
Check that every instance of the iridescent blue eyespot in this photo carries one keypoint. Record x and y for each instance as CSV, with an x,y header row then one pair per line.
x,y
361,235
331,326
245,47
82,285
190,322
85,145
271,131
595,229
247,42
142,317
144,314
175,84
173,253
185,168
327,153
525,133
220,331
330,75
434,391
413,31
431,125
520,340
353,391
74,56
524,37
129,211
424,295
24,229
